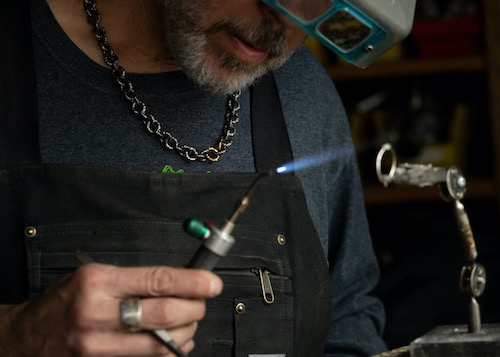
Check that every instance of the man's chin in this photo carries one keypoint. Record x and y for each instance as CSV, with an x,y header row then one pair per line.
x,y
229,78
234,84
226,81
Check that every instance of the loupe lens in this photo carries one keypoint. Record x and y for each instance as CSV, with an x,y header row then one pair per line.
x,y
345,30
306,10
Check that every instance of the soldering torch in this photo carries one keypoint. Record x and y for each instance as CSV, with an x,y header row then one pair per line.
x,y
217,241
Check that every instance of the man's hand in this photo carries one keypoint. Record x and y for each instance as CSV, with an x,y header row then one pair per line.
x,y
80,316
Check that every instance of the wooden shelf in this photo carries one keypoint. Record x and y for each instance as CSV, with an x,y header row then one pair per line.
x,y
376,194
409,67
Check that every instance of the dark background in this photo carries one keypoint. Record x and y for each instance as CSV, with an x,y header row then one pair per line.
x,y
430,97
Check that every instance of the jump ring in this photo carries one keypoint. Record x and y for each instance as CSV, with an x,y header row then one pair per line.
x,y
131,314
386,179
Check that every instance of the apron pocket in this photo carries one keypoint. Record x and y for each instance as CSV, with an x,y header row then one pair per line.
x,y
259,325
263,329
51,251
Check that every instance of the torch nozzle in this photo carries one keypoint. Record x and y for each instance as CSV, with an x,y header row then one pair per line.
x,y
243,203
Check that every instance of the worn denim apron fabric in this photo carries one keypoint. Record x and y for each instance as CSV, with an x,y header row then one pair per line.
x,y
276,289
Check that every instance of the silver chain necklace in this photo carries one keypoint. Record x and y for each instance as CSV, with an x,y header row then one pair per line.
x,y
139,107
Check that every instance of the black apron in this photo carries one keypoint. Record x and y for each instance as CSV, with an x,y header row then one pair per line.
x,y
276,289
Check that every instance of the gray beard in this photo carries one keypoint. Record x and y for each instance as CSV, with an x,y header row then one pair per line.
x,y
188,44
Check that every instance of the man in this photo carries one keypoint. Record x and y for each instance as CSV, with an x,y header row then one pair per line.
x,y
96,185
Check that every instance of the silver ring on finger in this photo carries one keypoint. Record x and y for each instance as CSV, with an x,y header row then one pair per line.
x,y
131,314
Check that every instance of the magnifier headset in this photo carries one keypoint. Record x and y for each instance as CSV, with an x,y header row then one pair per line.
x,y
357,30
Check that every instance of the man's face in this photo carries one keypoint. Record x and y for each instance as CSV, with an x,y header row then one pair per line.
x,y
224,45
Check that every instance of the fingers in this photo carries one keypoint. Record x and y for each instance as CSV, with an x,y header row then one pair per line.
x,y
170,296
81,315
170,299
150,281
157,313
122,344
168,313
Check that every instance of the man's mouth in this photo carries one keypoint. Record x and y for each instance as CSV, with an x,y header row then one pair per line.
x,y
246,50
251,44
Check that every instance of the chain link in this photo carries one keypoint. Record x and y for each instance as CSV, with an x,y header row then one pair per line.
x,y
139,108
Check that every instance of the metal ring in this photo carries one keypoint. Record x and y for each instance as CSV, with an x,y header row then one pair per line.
x,y
131,314
386,179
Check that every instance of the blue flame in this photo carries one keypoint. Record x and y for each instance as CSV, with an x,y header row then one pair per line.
x,y
312,161
281,169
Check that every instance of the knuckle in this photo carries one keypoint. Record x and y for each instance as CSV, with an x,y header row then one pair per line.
x,y
83,313
88,277
159,281
166,314
81,318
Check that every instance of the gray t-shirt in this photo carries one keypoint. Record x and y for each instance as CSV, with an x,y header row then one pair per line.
x,y
84,119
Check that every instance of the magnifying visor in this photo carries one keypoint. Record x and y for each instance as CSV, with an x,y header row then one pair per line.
x,y
357,30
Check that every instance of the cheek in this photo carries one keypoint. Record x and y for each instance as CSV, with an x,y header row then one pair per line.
x,y
295,37
294,34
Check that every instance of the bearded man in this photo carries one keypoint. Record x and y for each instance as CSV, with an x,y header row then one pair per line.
x,y
145,113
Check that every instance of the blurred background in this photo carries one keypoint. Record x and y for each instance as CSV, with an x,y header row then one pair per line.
x,y
436,98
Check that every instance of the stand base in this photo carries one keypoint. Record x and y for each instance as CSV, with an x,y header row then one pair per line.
x,y
456,341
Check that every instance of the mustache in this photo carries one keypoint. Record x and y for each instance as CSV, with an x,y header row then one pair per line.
x,y
264,35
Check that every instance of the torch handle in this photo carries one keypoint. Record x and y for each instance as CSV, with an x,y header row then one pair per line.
x,y
216,243
203,259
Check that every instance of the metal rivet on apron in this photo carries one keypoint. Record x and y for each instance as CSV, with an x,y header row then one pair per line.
x,y
281,239
240,308
30,232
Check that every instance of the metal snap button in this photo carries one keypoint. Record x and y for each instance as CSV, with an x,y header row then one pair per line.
x,y
281,239
240,308
30,232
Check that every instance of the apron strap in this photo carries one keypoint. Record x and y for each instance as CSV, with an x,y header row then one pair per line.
x,y
271,144
18,108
